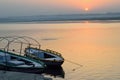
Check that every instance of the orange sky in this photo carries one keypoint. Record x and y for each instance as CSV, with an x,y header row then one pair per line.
x,y
36,7
91,4
76,4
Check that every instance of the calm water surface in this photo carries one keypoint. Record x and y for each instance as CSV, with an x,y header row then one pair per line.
x,y
95,46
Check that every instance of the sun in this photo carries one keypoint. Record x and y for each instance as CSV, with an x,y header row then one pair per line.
x,y
86,9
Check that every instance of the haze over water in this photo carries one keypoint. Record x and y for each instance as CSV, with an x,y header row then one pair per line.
x,y
95,46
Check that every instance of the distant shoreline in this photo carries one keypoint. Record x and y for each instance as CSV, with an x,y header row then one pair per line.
x,y
81,18
50,22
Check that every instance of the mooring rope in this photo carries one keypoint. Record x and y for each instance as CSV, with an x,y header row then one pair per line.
x,y
74,64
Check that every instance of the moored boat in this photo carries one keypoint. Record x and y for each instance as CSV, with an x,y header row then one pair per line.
x,y
49,57
13,62
31,48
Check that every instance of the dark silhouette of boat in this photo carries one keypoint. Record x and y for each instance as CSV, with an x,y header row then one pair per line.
x,y
10,75
56,71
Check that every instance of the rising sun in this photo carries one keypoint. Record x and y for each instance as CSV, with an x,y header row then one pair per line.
x,y
86,9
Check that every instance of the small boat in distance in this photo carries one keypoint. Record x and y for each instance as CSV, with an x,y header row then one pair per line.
x,y
13,62
49,57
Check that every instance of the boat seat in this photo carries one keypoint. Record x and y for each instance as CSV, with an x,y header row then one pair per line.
x,y
25,65
4,57
15,62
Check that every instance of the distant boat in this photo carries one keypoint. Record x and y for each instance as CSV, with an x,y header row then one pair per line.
x,y
49,57
14,62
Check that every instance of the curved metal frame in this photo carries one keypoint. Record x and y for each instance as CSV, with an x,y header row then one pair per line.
x,y
24,38
4,38
12,39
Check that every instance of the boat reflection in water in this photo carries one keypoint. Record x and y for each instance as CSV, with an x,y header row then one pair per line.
x,y
55,72
8,75
50,72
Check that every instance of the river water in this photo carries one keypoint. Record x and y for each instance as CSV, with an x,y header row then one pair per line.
x,y
91,50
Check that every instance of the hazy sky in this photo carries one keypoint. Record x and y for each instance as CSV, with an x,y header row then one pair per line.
x,y
38,7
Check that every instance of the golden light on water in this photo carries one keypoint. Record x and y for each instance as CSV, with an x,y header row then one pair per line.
x,y
96,46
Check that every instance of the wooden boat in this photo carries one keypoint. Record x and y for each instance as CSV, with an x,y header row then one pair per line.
x,y
28,49
14,62
49,57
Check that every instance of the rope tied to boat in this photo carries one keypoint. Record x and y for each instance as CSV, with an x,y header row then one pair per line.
x,y
74,64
